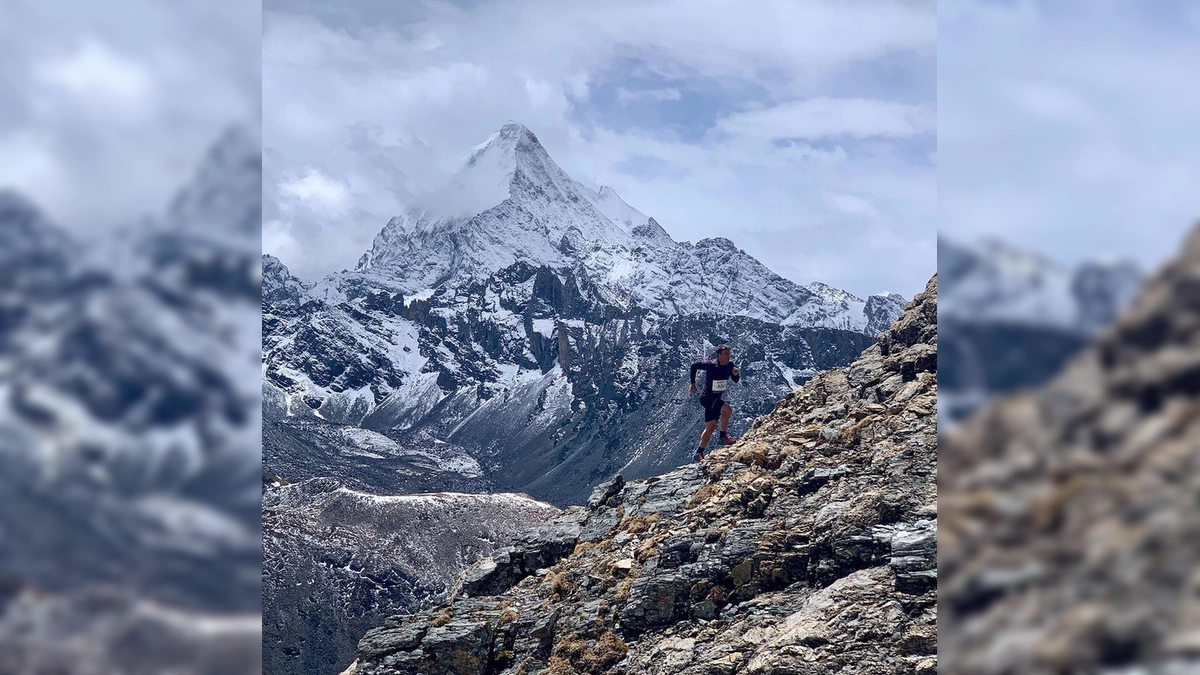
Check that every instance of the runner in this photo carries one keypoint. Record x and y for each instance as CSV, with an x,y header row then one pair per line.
x,y
716,381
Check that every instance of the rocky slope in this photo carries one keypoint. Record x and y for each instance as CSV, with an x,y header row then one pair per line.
x,y
537,326
809,546
1070,532
337,561
1010,319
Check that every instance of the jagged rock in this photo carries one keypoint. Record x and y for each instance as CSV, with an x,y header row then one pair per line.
x,y
1070,532
600,524
337,561
769,557
605,491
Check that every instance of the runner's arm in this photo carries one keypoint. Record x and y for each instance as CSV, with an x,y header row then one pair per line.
x,y
699,365
735,375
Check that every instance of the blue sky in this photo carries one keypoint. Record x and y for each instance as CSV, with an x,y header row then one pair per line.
x,y
804,131
1069,127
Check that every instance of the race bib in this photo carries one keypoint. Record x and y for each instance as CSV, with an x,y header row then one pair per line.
x,y
719,385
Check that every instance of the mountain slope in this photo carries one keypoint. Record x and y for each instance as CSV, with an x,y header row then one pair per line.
x,y
807,547
128,419
511,203
337,561
1069,525
543,328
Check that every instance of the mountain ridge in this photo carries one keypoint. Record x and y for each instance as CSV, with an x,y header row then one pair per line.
x,y
527,209
1070,531
561,315
808,546
128,432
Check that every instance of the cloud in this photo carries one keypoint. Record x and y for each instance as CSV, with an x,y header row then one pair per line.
x,y
1069,127
29,161
627,94
822,117
630,96
108,109
316,191
95,75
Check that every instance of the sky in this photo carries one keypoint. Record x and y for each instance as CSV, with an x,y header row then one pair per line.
x,y
106,109
802,130
1070,127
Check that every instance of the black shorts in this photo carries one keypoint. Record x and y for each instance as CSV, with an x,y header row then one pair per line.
x,y
712,407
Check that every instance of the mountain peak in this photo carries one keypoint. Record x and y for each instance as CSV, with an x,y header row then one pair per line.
x,y
16,207
718,242
226,191
24,227
517,130
832,294
512,140
279,286
495,171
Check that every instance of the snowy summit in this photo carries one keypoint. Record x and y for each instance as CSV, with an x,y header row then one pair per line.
x,y
511,203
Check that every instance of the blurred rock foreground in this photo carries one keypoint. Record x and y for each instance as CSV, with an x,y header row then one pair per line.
x,y
1070,522
809,546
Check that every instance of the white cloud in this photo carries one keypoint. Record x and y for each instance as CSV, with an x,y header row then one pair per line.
x,y
1069,128
632,96
277,238
442,83
854,205
30,166
317,192
108,108
822,116
97,76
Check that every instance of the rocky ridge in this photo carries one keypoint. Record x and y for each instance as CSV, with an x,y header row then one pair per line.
x,y
808,546
337,561
1070,532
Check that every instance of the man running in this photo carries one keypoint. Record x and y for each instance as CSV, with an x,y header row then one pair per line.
x,y
716,381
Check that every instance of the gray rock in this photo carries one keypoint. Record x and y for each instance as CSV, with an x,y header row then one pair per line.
x,y
605,492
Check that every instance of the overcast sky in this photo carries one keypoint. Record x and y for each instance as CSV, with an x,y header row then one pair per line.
x,y
106,108
804,131
1070,127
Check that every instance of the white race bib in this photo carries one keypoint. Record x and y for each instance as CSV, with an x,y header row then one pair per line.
x,y
719,385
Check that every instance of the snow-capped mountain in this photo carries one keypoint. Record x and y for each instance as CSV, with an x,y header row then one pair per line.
x,y
511,203
538,326
337,561
1010,319
129,421
993,282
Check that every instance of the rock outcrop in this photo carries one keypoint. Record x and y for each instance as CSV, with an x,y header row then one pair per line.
x,y
1070,528
337,561
808,546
